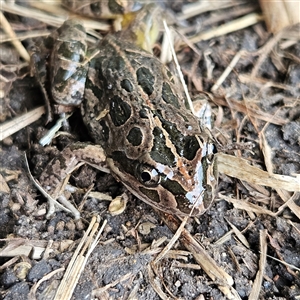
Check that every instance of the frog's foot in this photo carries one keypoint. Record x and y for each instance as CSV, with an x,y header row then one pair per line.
x,y
56,174
63,204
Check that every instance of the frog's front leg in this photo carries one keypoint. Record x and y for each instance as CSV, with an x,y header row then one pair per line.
x,y
54,177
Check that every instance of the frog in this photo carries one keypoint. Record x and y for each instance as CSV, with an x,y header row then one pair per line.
x,y
135,112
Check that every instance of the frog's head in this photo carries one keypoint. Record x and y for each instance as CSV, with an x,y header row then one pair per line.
x,y
177,179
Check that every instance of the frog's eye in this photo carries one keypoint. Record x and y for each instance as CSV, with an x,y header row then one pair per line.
x,y
147,175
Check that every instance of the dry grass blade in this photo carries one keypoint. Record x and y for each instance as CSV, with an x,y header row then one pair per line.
x,y
229,27
284,263
156,284
172,241
216,273
30,12
98,292
51,201
254,295
10,127
34,288
251,112
240,168
247,206
289,201
17,44
227,70
199,7
79,260
23,36
240,236
178,68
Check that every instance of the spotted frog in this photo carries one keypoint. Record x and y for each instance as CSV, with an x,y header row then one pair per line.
x,y
136,114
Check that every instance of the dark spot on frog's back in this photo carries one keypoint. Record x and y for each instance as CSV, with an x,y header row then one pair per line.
x,y
61,80
115,7
96,8
190,148
127,85
116,63
146,80
135,136
186,145
98,93
143,113
168,95
73,51
160,152
119,111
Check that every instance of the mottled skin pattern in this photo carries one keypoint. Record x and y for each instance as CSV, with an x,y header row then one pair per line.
x,y
102,9
133,108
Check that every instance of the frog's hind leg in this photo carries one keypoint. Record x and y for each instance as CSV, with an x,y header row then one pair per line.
x,y
69,69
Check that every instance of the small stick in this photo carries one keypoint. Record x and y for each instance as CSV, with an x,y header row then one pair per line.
x,y
17,44
10,127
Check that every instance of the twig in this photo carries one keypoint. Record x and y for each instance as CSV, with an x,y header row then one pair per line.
x,y
10,127
17,44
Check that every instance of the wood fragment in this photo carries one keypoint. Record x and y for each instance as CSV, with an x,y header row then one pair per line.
x,y
34,249
280,14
